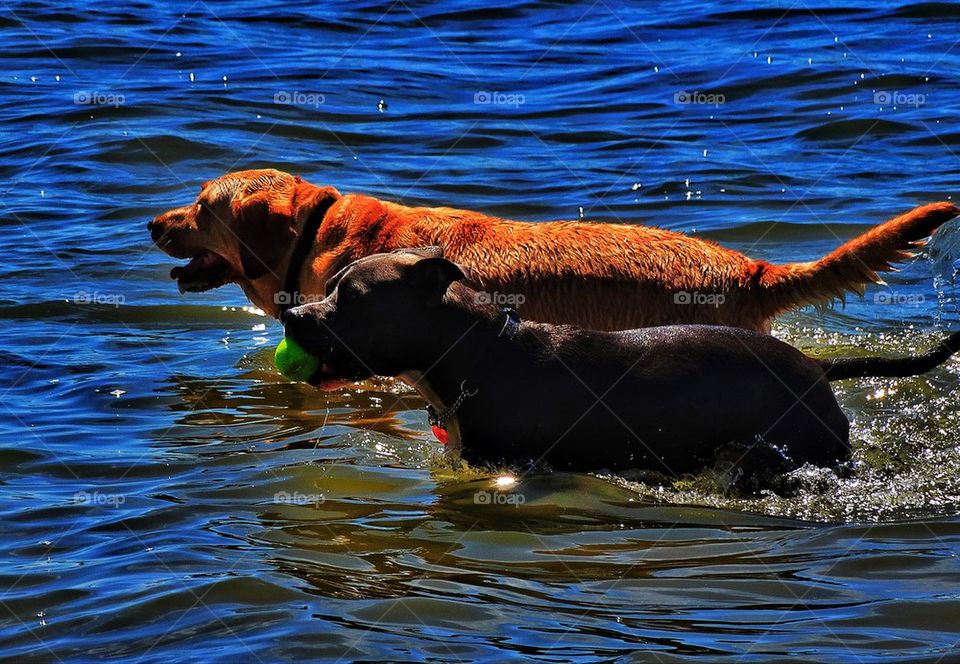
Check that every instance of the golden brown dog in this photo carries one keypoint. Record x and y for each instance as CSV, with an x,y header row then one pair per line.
x,y
249,227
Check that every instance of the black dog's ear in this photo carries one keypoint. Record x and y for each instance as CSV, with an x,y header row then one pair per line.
x,y
423,252
434,276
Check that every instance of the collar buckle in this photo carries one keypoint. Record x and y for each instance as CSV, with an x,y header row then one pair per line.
x,y
511,324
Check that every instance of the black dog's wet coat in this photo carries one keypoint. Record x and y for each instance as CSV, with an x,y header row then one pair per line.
x,y
664,398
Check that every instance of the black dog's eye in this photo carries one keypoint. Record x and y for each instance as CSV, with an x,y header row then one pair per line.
x,y
348,290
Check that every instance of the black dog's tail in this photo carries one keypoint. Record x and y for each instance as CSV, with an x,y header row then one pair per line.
x,y
862,367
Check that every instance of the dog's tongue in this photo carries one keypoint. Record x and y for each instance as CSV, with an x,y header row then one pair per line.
x,y
204,261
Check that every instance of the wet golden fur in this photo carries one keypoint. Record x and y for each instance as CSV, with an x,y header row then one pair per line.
x,y
599,276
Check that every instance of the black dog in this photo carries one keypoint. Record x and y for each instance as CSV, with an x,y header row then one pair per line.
x,y
661,398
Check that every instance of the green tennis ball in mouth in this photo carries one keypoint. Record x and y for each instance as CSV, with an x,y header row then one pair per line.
x,y
294,362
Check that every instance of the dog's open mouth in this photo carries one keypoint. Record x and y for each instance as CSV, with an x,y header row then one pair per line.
x,y
203,272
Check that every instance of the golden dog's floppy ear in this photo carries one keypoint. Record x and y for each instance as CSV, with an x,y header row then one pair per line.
x,y
309,200
267,223
265,232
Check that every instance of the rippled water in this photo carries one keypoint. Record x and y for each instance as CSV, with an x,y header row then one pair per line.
x,y
167,496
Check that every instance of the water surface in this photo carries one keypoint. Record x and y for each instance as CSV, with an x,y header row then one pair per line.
x,y
167,496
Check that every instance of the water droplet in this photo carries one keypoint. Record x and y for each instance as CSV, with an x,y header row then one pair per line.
x,y
636,185
118,393
656,69
581,212
769,59
57,78
192,77
704,152
179,54
381,106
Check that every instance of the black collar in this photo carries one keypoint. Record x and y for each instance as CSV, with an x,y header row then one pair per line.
x,y
290,296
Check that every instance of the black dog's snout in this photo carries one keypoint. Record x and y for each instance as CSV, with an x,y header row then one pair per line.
x,y
290,314
298,322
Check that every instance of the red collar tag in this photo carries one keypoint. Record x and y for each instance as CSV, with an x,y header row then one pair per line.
x,y
440,434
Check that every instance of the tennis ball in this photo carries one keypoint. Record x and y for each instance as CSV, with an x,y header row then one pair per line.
x,y
294,362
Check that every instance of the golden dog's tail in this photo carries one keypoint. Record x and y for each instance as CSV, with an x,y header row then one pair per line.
x,y
853,264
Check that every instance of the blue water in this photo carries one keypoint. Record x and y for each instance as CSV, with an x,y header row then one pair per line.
x,y
166,496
